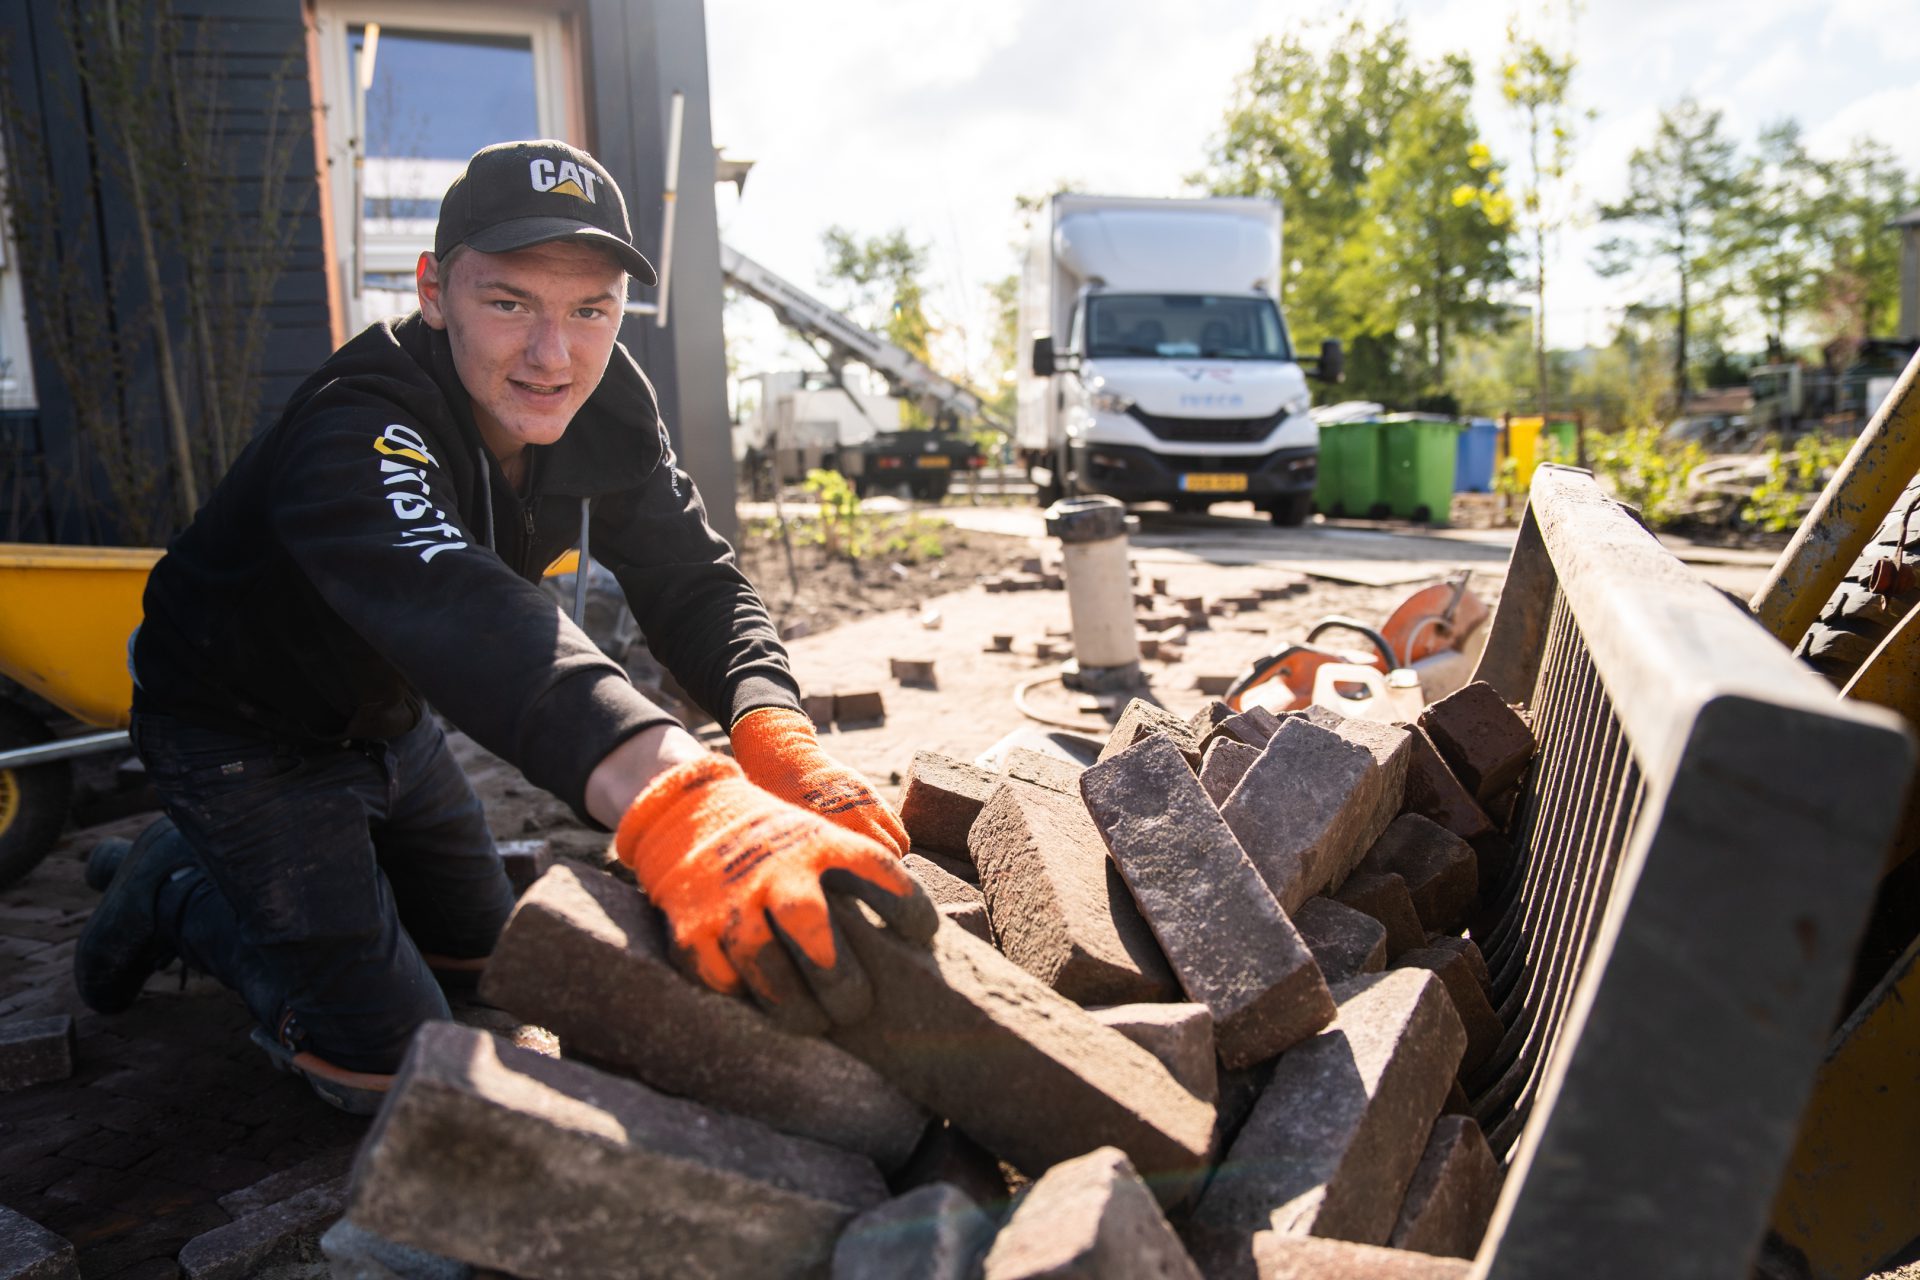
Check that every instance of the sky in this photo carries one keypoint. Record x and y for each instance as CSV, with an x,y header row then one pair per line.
x,y
934,116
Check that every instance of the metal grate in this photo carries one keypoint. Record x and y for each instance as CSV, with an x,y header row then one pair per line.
x,y
1208,430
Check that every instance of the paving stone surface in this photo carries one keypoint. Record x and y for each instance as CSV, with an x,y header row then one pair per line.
x,y
1232,947
1027,765
1332,1144
1483,740
1468,948
1180,1035
1284,1257
1385,898
275,1236
585,955
1440,869
1454,1189
1392,748
1433,792
1345,943
1253,727
1302,810
941,799
28,1251
1140,718
505,1158
1483,1026
954,1024
1090,1216
933,1233
35,1050
1058,906
945,888
1222,767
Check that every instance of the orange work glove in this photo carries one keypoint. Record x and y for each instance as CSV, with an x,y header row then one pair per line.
x,y
742,878
780,752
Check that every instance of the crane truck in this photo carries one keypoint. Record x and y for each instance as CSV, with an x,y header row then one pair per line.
x,y
1161,366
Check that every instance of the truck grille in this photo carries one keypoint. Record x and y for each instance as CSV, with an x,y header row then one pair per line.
x,y
1207,430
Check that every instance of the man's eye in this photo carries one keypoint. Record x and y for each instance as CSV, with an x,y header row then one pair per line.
x,y
505,304
590,313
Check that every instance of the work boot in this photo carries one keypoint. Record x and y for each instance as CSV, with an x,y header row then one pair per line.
x,y
358,1093
103,860
121,946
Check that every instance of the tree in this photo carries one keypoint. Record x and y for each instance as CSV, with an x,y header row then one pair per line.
x,y
883,275
1396,219
1678,188
1534,81
1776,241
1858,287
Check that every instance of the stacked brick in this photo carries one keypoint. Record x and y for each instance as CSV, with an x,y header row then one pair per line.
x,y
1208,997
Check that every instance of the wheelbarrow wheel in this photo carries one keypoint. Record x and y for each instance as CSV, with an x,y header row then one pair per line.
x,y
33,800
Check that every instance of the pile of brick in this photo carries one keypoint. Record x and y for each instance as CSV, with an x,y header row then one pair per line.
x,y
1202,1008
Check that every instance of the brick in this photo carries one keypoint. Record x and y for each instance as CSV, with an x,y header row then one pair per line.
x,y
1483,1026
1225,763
941,799
1434,793
818,707
1457,1103
864,706
289,1182
585,956
1454,1189
1093,1217
1440,869
1140,718
1385,898
1180,1035
1325,717
1345,943
479,1142
35,1051
525,861
1284,1257
1209,717
950,1156
956,1025
1232,947
1058,906
945,888
1468,948
972,917
1482,739
28,1251
913,671
1255,727
933,1233
1332,1143
1302,810
353,1253
278,1235
1051,772
1392,748
1213,684
959,866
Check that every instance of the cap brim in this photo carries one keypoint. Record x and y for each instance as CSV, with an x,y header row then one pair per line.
x,y
524,233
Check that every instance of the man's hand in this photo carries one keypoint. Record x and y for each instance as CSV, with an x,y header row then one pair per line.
x,y
779,751
742,878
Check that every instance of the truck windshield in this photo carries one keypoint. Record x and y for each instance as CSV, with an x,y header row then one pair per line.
x,y
1190,325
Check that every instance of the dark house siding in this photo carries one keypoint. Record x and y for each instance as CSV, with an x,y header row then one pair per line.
x,y
53,488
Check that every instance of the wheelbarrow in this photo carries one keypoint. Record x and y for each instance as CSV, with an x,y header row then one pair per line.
x,y
65,615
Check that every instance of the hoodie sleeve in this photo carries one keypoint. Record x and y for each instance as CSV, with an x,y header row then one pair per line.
x,y
368,511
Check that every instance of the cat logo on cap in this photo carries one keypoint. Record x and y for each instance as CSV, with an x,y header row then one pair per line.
x,y
565,179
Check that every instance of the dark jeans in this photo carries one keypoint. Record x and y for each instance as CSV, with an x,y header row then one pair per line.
x,y
323,874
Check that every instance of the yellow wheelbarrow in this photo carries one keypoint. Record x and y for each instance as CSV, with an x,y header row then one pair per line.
x,y
65,615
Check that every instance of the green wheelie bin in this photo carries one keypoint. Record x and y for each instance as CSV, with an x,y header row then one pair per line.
x,y
1420,454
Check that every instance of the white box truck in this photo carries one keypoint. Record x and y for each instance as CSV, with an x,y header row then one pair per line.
x,y
1161,367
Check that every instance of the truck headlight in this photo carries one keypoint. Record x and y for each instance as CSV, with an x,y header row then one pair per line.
x,y
1297,406
1109,402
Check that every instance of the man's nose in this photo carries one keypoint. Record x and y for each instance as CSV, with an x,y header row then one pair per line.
x,y
547,346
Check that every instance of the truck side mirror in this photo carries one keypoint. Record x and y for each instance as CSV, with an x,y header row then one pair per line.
x,y
1332,365
1043,366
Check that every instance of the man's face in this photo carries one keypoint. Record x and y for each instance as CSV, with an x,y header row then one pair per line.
x,y
531,333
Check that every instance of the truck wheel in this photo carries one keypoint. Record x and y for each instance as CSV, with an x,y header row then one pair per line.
x,y
1291,511
930,488
1855,619
33,800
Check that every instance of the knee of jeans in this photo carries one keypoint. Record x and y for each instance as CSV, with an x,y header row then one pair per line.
x,y
373,1034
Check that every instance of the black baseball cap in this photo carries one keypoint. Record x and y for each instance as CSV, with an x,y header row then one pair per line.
x,y
517,194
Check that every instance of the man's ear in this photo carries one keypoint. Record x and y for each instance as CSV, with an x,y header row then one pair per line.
x,y
429,286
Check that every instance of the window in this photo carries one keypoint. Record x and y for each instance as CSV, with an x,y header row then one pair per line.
x,y
1185,325
446,81
16,357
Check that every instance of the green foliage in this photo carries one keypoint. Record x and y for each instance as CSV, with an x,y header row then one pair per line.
x,y
884,273
1646,471
841,527
838,526
1397,217
1794,479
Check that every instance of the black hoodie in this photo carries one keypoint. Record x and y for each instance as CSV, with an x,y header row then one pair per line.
x,y
365,555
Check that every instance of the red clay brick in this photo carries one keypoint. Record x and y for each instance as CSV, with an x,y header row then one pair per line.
x,y
941,799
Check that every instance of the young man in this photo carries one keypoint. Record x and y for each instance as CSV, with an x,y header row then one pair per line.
x,y
375,553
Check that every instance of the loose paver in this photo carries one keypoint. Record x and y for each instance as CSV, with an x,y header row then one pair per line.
x,y
504,1158
1059,908
940,800
1232,947
35,1051
585,955
1391,748
1385,898
1043,770
1483,1026
1468,948
281,1235
1180,1035
1332,1143
934,1232
1440,869
1302,810
1023,1071
1345,943
1433,792
1225,763
28,1251
1140,718
1092,1218
1483,740
1284,1257
1453,1192
1255,727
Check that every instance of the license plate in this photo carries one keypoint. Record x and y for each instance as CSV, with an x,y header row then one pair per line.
x,y
1213,482
935,460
